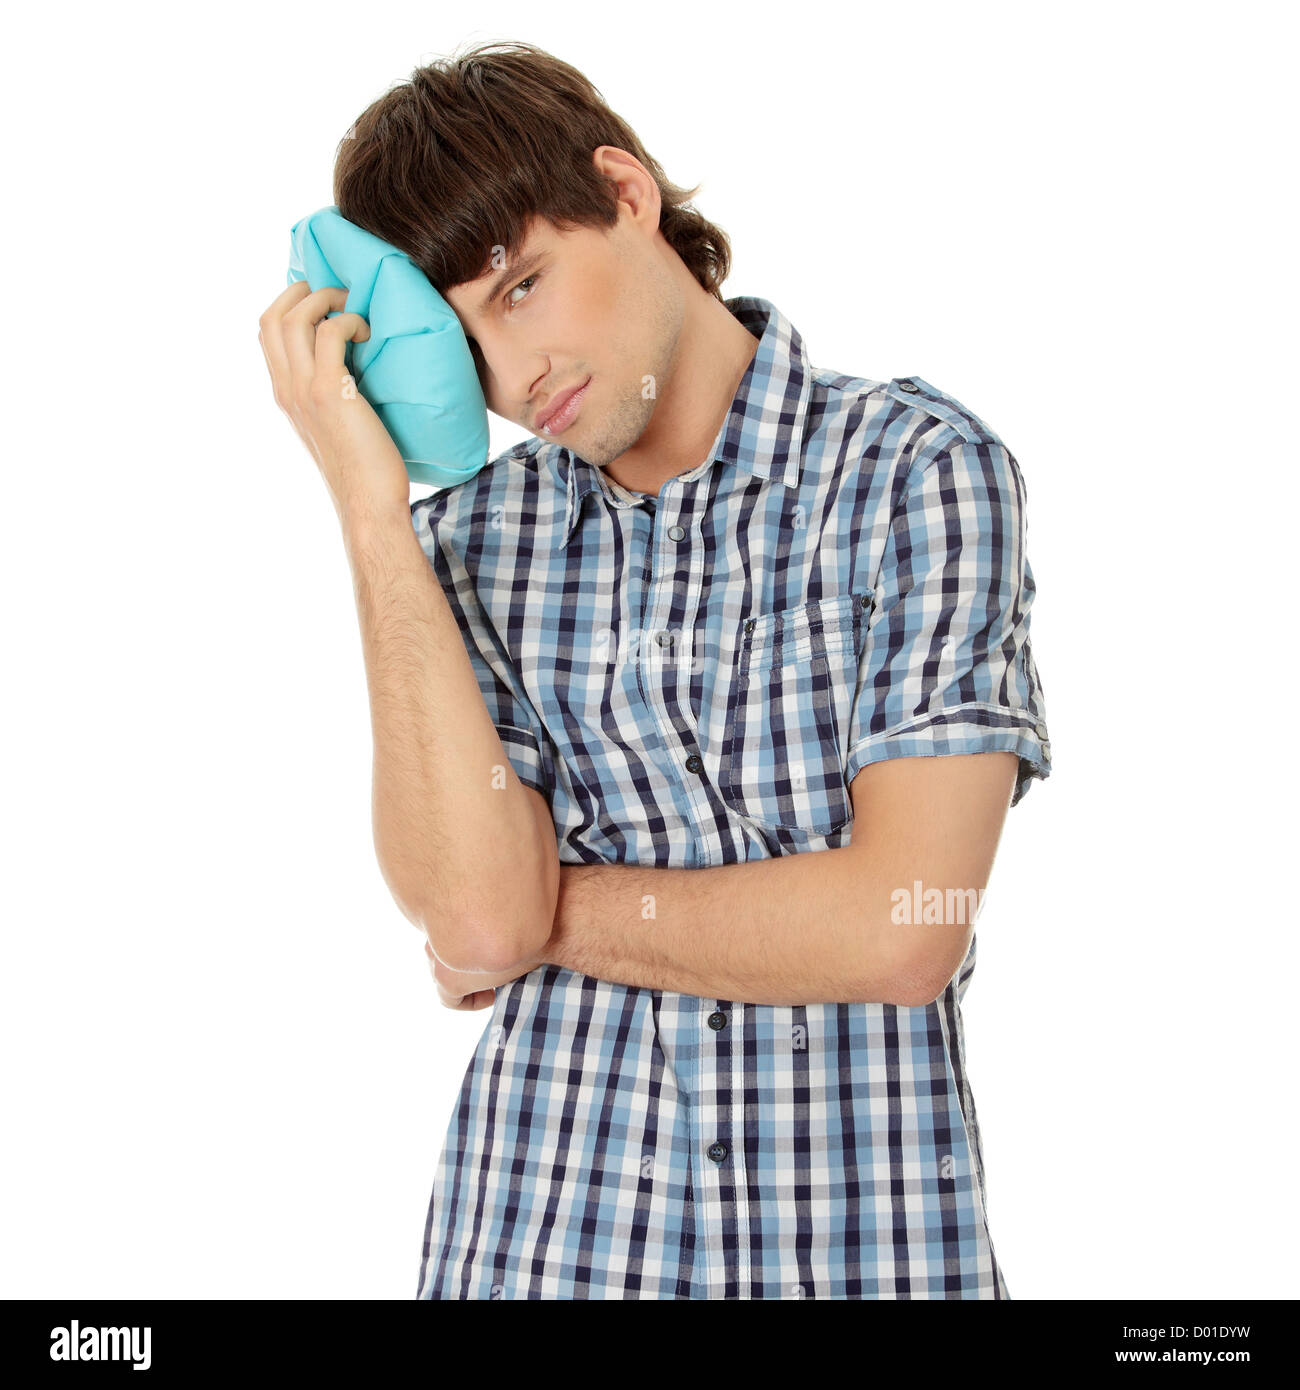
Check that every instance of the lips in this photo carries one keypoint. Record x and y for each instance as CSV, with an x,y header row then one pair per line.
x,y
560,416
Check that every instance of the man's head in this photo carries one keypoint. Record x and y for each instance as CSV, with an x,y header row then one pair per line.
x,y
565,252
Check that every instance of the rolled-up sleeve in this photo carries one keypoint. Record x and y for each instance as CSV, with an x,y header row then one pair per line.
x,y
946,665
509,710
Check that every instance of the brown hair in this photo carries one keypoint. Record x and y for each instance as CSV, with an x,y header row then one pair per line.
x,y
460,157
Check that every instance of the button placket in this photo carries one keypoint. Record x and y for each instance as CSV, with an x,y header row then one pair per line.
x,y
674,562
709,1154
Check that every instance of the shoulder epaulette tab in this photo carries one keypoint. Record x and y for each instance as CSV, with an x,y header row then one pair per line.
x,y
916,391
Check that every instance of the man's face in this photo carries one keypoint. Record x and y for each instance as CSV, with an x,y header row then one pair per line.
x,y
588,308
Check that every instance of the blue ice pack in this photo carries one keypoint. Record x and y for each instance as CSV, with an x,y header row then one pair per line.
x,y
416,368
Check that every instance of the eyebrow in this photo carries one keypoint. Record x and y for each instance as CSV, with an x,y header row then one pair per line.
x,y
512,273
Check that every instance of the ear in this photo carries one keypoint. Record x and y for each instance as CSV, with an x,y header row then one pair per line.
x,y
637,191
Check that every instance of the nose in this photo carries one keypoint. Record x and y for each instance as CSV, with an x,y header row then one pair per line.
x,y
512,380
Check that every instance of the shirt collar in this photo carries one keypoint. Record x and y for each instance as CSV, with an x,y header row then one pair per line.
x,y
764,429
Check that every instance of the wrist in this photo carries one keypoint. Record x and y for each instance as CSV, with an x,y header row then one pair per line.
x,y
556,949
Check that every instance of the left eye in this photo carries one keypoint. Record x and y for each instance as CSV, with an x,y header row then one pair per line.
x,y
529,280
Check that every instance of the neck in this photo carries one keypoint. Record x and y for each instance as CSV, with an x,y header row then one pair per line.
x,y
713,351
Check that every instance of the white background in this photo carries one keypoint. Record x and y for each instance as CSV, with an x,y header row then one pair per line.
x,y
225,1071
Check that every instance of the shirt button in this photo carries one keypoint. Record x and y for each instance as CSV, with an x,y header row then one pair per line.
x,y
717,1152
906,385
676,532
665,639
717,1020
694,763
749,624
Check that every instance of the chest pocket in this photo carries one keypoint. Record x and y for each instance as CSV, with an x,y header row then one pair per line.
x,y
787,713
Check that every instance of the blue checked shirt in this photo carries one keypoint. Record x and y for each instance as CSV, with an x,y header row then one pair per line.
x,y
694,679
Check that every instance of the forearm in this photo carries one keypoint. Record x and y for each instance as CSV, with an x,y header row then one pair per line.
x,y
455,832
805,928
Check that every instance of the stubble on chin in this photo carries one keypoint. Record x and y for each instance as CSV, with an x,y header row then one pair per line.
x,y
619,429
628,418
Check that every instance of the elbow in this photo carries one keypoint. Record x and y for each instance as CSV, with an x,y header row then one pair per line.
x,y
482,945
913,994
485,937
511,935
920,978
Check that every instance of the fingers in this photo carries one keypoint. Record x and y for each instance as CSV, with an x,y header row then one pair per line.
x,y
452,998
287,333
298,329
467,1003
271,337
332,338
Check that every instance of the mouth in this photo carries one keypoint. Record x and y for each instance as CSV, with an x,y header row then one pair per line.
x,y
562,415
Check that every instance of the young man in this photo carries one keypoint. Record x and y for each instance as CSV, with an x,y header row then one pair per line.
x,y
697,717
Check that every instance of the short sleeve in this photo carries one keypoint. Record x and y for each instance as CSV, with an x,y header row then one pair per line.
x,y
508,708
946,665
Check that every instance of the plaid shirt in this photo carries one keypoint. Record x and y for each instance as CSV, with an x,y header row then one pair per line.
x,y
694,679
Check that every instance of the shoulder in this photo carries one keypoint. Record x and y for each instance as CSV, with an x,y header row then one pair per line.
x,y
945,437
897,436
909,414
514,477
946,412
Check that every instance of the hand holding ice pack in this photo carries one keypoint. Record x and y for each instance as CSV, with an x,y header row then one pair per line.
x,y
416,368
